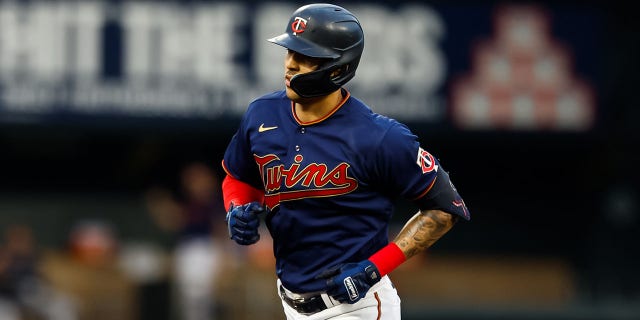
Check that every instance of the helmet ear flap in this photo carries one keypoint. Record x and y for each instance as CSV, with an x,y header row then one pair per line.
x,y
338,72
315,83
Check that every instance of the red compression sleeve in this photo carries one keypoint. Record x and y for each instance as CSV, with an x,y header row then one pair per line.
x,y
388,258
239,193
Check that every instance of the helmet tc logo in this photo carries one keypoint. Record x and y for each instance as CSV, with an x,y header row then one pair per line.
x,y
298,25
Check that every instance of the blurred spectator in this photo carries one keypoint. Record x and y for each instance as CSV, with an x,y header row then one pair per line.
x,y
88,271
24,292
195,215
92,243
17,260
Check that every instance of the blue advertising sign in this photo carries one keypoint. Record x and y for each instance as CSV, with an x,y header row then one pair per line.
x,y
473,67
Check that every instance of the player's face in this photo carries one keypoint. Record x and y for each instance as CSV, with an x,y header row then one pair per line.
x,y
295,63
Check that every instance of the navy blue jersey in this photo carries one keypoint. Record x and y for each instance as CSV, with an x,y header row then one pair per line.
x,y
330,184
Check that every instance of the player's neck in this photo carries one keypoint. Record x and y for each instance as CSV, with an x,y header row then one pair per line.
x,y
308,110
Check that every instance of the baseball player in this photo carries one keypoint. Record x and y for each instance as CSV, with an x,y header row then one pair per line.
x,y
323,171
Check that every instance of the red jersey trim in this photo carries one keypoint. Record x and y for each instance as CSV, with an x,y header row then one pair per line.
x,y
427,190
300,122
375,294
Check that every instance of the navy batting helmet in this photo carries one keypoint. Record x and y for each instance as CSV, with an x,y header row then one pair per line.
x,y
323,31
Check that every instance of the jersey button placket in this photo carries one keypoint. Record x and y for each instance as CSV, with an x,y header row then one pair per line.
x,y
302,131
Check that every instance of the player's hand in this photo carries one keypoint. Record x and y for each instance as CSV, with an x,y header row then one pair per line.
x,y
350,282
243,223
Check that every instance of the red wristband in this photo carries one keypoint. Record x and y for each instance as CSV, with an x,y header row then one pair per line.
x,y
388,258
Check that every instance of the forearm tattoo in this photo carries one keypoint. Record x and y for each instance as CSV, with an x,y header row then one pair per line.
x,y
422,231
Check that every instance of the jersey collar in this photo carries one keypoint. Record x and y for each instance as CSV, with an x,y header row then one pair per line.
x,y
346,95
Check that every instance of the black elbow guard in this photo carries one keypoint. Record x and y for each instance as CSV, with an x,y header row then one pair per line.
x,y
444,196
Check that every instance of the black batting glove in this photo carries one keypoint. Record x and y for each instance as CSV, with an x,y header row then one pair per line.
x,y
243,222
350,282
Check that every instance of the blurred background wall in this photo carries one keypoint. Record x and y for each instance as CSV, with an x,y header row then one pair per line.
x,y
114,116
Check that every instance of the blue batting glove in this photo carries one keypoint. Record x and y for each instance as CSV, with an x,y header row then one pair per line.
x,y
243,223
350,282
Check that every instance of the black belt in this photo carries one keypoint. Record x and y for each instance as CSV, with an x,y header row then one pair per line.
x,y
308,305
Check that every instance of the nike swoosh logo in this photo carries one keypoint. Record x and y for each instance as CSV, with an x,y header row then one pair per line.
x,y
263,128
